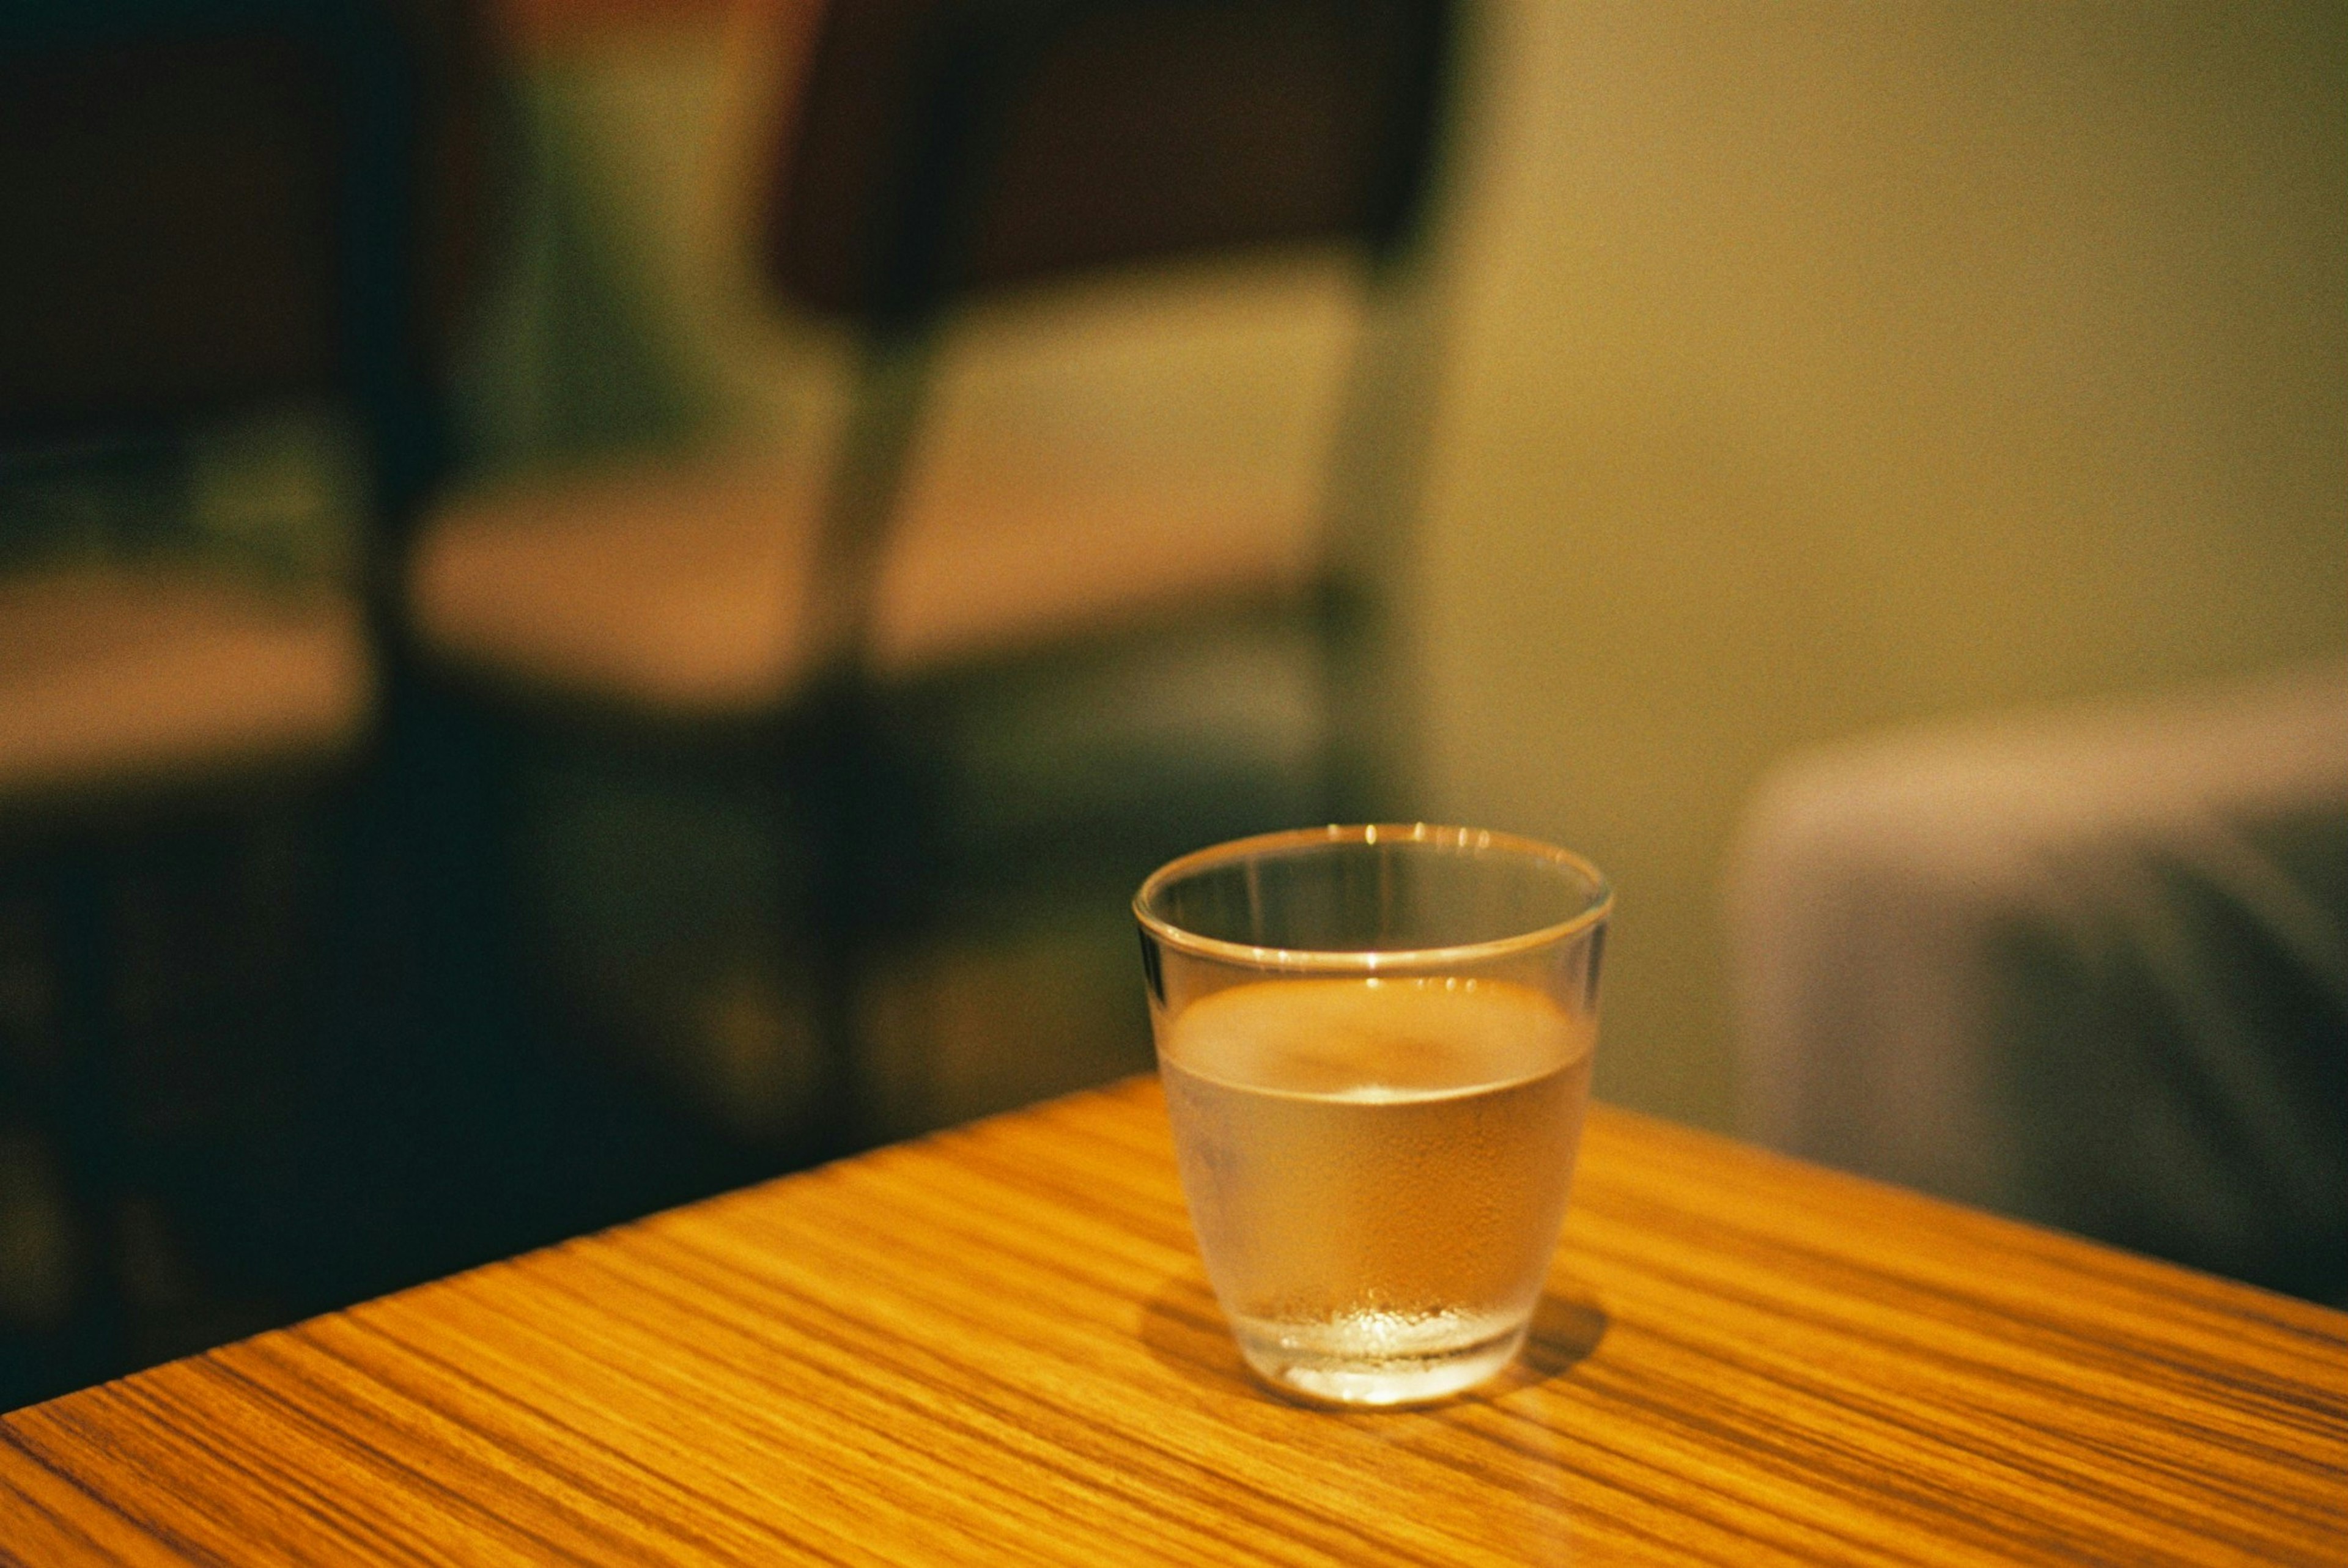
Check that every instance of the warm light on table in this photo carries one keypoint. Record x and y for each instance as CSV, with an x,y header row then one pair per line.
x,y
995,1346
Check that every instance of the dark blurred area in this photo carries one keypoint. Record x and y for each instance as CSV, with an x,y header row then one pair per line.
x,y
469,773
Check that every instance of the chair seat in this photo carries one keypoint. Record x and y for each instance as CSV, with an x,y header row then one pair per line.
x,y
116,674
683,589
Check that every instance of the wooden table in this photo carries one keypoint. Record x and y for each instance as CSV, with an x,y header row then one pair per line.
x,y
996,1345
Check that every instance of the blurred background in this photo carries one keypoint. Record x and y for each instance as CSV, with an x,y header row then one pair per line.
x,y
1680,388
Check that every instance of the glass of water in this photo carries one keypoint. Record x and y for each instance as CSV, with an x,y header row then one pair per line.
x,y
1376,1045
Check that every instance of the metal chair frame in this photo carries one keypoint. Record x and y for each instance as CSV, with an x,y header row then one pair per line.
x,y
361,63
926,248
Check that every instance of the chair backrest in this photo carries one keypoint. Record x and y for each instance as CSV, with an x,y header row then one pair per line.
x,y
948,146
210,203
172,209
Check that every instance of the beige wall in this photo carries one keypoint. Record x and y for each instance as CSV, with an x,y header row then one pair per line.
x,y
1821,367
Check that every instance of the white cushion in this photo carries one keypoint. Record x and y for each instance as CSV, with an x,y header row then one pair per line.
x,y
684,587
1979,957
116,674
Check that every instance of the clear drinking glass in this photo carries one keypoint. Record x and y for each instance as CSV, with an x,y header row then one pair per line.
x,y
1375,1044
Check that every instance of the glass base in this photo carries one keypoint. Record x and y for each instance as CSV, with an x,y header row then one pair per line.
x,y
1377,1358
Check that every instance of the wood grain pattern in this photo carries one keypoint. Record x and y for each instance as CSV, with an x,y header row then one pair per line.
x,y
996,1345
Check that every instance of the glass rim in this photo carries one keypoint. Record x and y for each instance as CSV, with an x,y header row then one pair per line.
x,y
1369,960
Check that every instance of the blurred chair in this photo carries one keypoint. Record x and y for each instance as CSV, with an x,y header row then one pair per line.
x,y
942,151
207,208
2088,968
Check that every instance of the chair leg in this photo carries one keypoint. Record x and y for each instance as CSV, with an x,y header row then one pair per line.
x,y
1376,477
834,767
92,1124
425,1074
836,744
